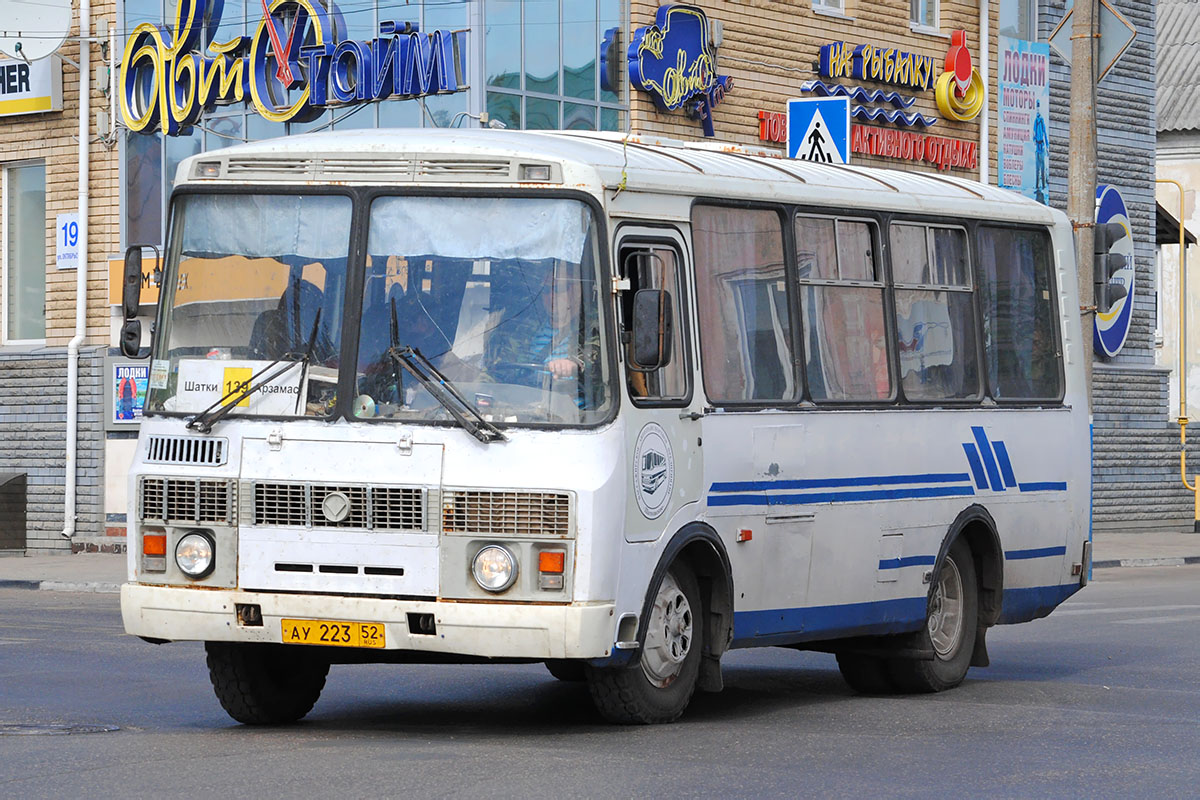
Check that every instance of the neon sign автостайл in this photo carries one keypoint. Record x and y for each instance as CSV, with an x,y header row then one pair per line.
x,y
169,78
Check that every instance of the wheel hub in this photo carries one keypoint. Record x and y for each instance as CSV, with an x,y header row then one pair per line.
x,y
668,634
946,611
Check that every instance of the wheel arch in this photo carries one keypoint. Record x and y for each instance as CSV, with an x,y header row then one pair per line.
x,y
698,545
975,525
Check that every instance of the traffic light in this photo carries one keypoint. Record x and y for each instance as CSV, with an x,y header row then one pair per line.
x,y
1107,264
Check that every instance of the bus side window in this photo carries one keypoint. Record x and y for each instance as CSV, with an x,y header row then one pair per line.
x,y
935,312
841,295
743,311
655,266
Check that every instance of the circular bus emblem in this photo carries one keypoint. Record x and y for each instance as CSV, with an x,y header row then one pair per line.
x,y
335,506
653,470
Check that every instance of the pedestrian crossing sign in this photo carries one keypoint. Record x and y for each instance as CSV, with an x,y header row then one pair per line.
x,y
819,129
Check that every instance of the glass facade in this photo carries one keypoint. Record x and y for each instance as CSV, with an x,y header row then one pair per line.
x,y
535,66
542,64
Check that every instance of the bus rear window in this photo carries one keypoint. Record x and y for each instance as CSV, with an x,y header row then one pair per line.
x,y
1018,306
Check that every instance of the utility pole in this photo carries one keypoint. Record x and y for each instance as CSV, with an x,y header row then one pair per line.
x,y
1081,192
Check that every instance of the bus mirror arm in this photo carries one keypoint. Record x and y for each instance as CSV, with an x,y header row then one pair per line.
x,y
131,295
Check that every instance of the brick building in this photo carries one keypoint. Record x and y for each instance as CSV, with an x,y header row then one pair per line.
x,y
541,65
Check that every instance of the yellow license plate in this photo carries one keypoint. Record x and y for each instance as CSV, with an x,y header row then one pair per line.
x,y
333,633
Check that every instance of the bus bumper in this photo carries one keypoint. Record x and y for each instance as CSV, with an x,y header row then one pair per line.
x,y
492,630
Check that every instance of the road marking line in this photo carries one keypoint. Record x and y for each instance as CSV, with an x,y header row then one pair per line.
x,y
1124,610
1158,620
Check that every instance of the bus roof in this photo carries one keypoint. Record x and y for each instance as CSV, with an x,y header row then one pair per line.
x,y
595,161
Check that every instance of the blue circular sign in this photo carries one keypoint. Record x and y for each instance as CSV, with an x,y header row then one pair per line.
x,y
1112,326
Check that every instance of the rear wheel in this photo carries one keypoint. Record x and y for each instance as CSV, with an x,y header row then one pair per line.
x,y
659,687
265,684
950,627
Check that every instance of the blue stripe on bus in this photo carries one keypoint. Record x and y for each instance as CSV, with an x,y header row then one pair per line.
x,y
1045,486
1022,605
1005,465
976,465
779,625
838,497
831,483
989,461
1037,552
785,625
907,561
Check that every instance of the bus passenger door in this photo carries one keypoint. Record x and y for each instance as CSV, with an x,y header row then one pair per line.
x,y
662,432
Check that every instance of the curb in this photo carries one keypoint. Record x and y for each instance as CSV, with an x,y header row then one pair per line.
x,y
63,586
1177,561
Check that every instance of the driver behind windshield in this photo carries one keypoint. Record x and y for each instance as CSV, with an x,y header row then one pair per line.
x,y
541,341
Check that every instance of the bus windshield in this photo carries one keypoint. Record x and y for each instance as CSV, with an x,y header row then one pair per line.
x,y
253,282
497,298
499,294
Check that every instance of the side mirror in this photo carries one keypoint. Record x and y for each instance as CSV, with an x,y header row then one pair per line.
x,y
653,328
131,338
131,289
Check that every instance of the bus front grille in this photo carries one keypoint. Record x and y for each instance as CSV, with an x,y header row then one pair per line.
x,y
321,505
187,500
499,513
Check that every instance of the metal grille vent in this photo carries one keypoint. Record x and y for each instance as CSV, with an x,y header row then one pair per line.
x,y
507,513
281,504
209,452
369,170
187,500
381,508
397,509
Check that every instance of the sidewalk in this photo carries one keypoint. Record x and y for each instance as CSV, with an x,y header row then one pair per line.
x,y
103,572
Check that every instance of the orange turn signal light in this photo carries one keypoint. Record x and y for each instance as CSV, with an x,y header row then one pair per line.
x,y
154,544
552,561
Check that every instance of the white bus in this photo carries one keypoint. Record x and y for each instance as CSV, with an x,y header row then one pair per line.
x,y
617,405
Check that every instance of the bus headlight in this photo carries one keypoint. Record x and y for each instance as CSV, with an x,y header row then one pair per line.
x,y
194,554
494,568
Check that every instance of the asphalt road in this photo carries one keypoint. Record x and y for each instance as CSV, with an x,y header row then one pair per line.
x,y
1099,700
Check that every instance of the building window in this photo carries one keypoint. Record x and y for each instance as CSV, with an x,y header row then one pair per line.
x,y
1018,19
150,160
836,6
24,243
542,64
923,13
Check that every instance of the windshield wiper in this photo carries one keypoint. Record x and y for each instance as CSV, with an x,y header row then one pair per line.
x,y
446,393
203,421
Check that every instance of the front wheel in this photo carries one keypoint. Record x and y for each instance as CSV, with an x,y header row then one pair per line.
x,y
950,625
265,684
659,687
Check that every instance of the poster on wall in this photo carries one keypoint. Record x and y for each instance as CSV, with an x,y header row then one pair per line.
x,y
1023,92
127,387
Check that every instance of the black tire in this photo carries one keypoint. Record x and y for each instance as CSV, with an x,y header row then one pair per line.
x,y
951,659
566,670
265,684
629,695
865,674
